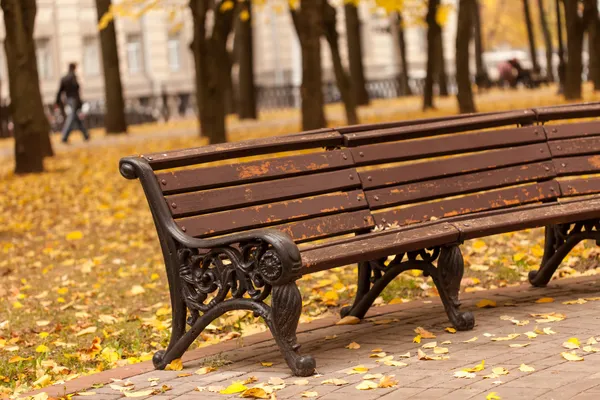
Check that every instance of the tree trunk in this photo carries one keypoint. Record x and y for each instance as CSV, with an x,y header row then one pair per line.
x,y
213,69
594,49
463,37
245,53
308,24
561,49
355,54
481,76
442,76
114,120
341,77
576,26
404,83
547,41
432,34
31,127
530,36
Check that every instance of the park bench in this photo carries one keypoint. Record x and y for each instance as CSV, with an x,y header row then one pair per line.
x,y
240,222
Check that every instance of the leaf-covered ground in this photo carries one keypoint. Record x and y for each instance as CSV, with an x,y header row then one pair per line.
x,y
82,282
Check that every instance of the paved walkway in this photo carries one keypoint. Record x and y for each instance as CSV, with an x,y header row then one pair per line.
x,y
390,330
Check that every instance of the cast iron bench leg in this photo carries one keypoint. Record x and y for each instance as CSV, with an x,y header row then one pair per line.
x,y
559,241
374,276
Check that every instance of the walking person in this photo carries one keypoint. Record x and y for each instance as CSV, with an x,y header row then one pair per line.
x,y
70,88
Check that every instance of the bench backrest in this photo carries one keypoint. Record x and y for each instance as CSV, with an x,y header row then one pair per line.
x,y
350,180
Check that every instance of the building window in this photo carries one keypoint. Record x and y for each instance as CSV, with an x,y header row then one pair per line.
x,y
135,57
91,56
44,58
174,55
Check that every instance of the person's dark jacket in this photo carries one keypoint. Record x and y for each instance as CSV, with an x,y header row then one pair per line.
x,y
70,87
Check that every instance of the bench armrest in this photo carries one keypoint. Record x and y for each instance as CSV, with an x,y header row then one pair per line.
x,y
283,254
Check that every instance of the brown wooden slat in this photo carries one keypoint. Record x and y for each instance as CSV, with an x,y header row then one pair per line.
x,y
472,203
453,166
441,127
327,226
581,129
262,192
446,144
198,155
462,184
584,110
377,245
577,165
270,214
526,218
573,147
226,175
580,187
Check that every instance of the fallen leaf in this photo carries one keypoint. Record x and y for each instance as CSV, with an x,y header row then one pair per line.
x,y
509,337
373,376
276,381
405,355
141,393
347,320
477,368
42,349
520,323
545,300
590,349
266,363
309,394
175,365
137,289
86,393
440,350
518,345
336,382
571,344
185,374
591,340
43,380
548,317
392,363
526,368
387,381
87,331
359,369
417,339
205,370
377,355
506,317
377,350
492,396
485,303
470,340
301,382
353,346
255,393
571,356
450,330
366,385
578,301
330,337
429,345
425,334
500,371
531,335
235,387
548,331
75,235
464,375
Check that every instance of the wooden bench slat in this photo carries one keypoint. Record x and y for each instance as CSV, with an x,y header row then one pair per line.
x,y
580,187
224,151
225,175
454,166
581,129
446,144
373,246
573,147
577,165
514,220
502,198
262,192
588,110
273,213
463,184
442,127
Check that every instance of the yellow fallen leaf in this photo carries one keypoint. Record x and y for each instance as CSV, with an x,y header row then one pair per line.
x,y
336,382
360,369
141,393
450,330
417,339
348,320
590,349
549,317
387,381
479,244
175,365
490,376
235,387
301,382
440,350
43,380
592,340
519,256
205,370
520,323
477,368
309,394
16,359
531,335
250,380
493,396
266,363
366,385
509,337
42,323
137,289
571,344
485,303
526,368
86,393
545,300
518,345
87,331
42,349
571,356
392,363
464,375
578,301
405,355
425,334
255,393
429,345
500,371
75,235
377,355
470,340
396,300
548,331
353,346
40,396
377,350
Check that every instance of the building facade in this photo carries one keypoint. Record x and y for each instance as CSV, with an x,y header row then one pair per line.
x,y
155,57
